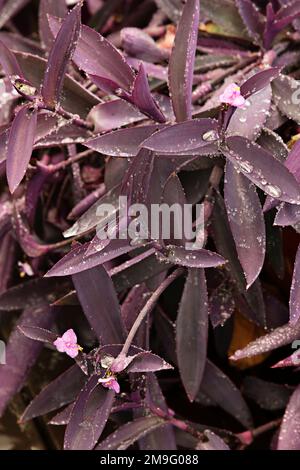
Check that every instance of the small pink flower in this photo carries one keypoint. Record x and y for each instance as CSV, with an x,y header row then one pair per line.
x,y
232,95
111,383
68,344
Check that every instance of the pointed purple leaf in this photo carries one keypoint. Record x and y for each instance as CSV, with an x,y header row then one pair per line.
x,y
9,9
246,221
192,331
97,56
289,437
137,43
198,258
20,144
63,417
249,120
142,98
147,362
61,391
258,81
288,214
100,304
91,218
22,353
276,339
223,239
129,433
218,387
262,169
38,334
89,416
185,137
182,60
113,114
252,18
123,142
49,7
59,56
9,62
76,261
286,96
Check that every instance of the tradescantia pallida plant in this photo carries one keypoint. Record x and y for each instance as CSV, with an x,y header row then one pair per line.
x,y
200,105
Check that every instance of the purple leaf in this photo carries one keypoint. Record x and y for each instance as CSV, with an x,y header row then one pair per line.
x,y
15,42
20,144
22,353
152,70
147,362
98,57
268,395
28,294
289,437
38,334
286,96
258,81
248,121
49,7
89,416
10,8
217,386
63,417
76,260
253,19
141,97
139,44
185,137
224,242
246,221
288,214
198,258
276,339
295,292
276,22
91,218
129,433
262,169
9,62
292,161
192,331
113,114
182,60
137,179
123,142
59,56
61,391
100,304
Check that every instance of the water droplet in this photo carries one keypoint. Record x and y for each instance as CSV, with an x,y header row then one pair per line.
x,y
273,191
246,166
210,135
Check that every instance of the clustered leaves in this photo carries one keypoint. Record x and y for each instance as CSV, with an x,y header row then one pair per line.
x,y
193,102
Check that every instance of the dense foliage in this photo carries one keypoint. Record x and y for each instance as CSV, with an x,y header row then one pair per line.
x,y
152,344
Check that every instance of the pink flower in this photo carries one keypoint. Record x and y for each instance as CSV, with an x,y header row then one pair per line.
x,y
68,344
110,383
232,95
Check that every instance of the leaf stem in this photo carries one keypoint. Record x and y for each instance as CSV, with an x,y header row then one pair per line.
x,y
149,307
63,164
